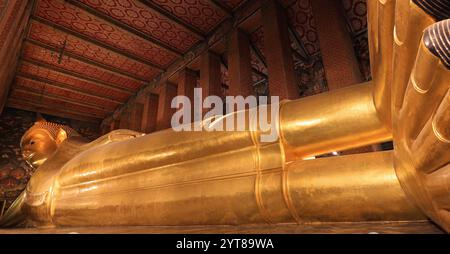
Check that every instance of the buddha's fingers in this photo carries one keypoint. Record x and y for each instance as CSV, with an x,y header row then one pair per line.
x,y
428,82
431,149
411,18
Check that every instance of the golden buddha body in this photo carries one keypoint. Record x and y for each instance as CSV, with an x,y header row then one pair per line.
x,y
222,177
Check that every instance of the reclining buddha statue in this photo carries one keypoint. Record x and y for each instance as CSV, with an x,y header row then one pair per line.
x,y
232,178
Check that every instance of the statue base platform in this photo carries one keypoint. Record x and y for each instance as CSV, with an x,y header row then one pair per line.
x,y
412,227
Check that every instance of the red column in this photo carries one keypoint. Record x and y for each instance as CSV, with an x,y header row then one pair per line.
x,y
125,119
150,112
336,45
278,52
105,128
166,93
136,116
187,80
239,64
210,75
115,124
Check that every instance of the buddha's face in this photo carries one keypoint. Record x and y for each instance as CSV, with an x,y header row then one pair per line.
x,y
37,146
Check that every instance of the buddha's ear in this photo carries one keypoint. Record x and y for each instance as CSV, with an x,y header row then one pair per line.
x,y
61,136
40,118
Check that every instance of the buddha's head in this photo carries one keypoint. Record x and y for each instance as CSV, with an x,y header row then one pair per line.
x,y
42,140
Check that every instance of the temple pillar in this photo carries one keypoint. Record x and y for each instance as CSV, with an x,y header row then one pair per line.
x,y
336,45
136,117
115,124
210,76
105,128
239,64
187,81
166,93
125,119
150,112
278,52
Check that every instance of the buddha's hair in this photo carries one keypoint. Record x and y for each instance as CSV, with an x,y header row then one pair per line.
x,y
52,129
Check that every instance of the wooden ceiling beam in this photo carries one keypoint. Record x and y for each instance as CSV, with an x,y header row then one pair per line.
x,y
52,106
47,95
87,61
55,106
14,103
221,6
66,87
79,76
96,42
125,27
174,18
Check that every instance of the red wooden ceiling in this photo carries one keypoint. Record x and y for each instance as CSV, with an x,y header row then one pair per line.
x,y
200,13
90,56
77,46
98,53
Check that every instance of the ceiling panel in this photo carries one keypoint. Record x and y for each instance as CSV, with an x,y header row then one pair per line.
x,y
201,14
50,36
23,95
45,73
33,52
44,88
147,20
80,21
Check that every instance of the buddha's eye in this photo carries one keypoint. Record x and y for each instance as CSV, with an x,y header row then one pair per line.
x,y
32,142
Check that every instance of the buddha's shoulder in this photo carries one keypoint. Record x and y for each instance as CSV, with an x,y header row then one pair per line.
x,y
114,136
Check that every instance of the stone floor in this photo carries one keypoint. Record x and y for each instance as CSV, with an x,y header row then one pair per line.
x,y
417,227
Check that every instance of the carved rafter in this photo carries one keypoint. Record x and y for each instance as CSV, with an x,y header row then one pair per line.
x,y
65,87
19,104
79,76
48,95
